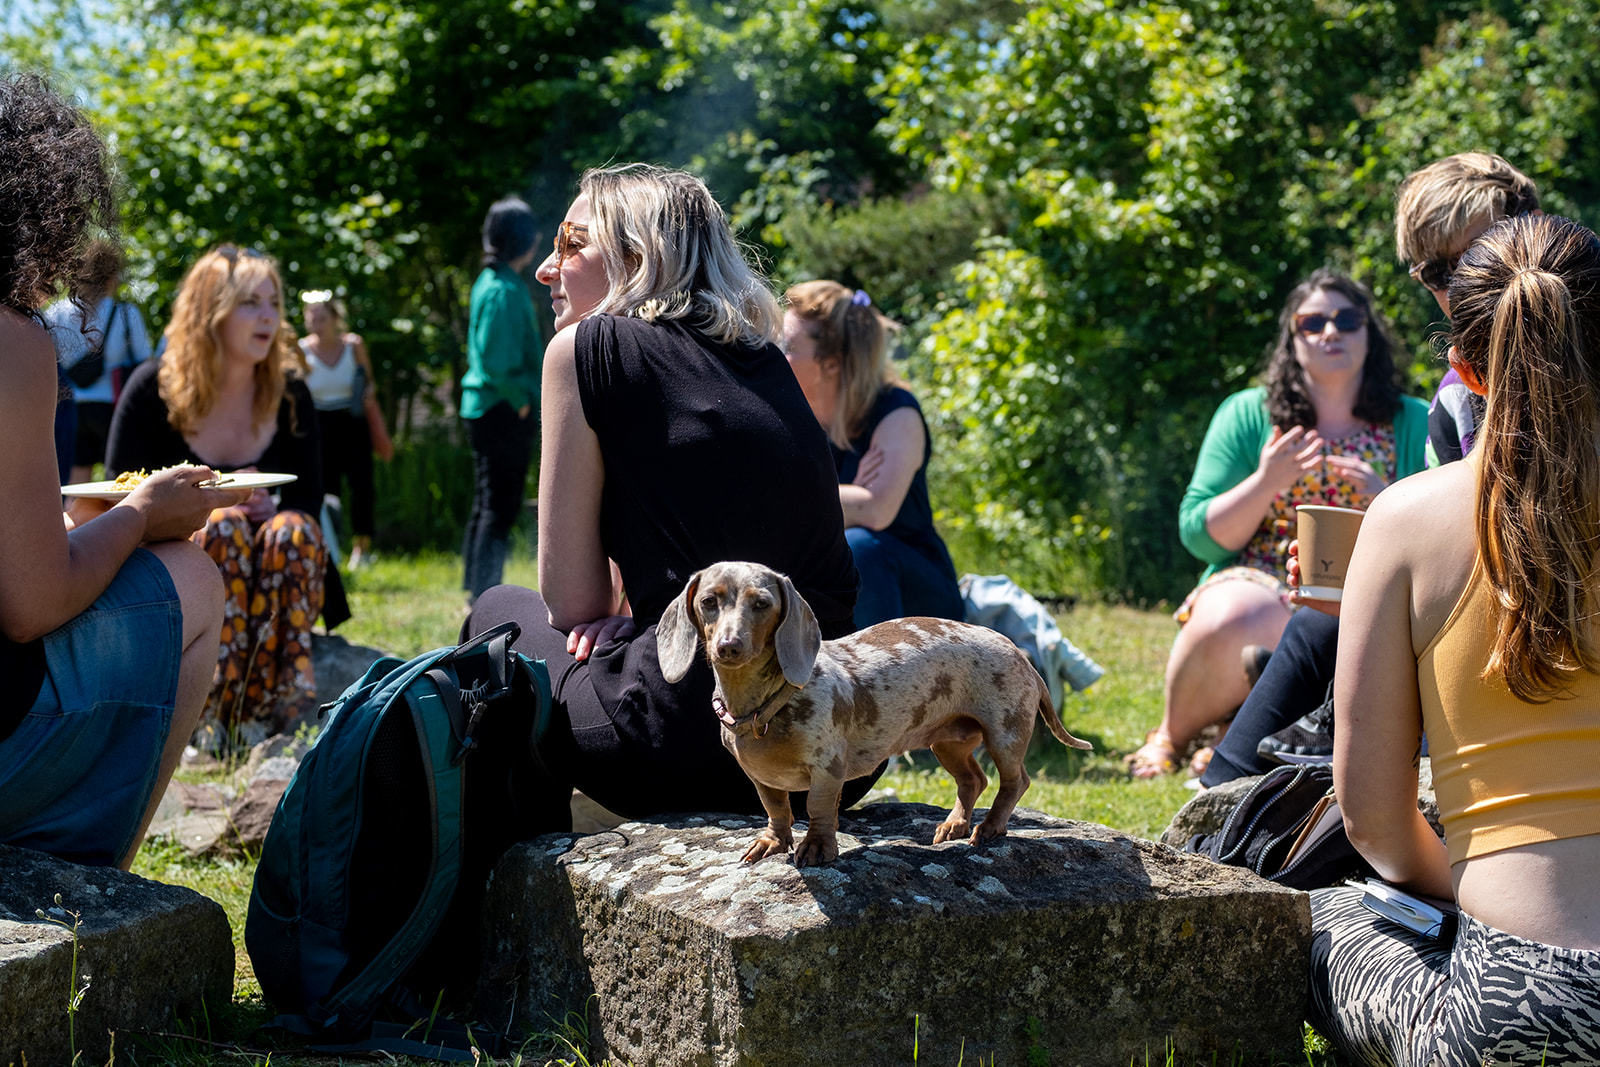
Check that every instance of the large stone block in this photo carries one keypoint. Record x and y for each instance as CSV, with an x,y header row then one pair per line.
x,y
151,954
1064,943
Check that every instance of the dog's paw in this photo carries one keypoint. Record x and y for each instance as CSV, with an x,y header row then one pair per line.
x,y
815,851
951,830
986,832
766,844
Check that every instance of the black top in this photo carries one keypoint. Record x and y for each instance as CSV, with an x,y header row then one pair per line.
x,y
711,453
142,438
913,524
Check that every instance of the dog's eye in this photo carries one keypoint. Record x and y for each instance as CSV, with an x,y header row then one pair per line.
x,y
761,602
708,604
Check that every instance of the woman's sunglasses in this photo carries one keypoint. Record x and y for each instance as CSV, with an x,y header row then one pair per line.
x,y
1345,320
1435,274
571,237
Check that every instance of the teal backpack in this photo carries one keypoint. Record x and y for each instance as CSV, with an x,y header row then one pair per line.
x,y
364,907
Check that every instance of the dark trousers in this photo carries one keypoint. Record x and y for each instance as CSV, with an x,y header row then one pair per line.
x,y
502,447
347,458
897,580
1295,681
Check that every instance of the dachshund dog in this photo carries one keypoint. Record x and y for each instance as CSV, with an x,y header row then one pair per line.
x,y
798,712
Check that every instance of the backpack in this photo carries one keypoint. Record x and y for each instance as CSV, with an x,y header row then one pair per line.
x,y
1288,830
366,893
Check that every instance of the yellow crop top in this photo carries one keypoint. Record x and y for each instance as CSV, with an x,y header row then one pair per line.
x,y
1506,773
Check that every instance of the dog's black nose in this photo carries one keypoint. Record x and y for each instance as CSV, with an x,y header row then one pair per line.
x,y
729,646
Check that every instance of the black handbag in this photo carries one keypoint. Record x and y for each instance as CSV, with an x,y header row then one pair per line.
x,y
91,366
1288,830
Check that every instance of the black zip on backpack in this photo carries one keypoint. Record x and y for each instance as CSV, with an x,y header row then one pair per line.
x,y
1288,830
365,902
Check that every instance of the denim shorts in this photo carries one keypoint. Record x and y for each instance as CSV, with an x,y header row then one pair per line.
x,y
77,773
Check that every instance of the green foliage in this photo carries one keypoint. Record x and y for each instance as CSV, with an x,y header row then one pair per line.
x,y
1169,171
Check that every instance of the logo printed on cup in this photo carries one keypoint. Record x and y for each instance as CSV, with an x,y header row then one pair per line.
x,y
1327,538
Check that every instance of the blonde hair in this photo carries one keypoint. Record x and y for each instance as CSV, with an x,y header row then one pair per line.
x,y
669,254
191,366
1525,314
1439,202
848,331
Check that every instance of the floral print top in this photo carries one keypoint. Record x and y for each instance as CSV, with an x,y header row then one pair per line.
x,y
1268,548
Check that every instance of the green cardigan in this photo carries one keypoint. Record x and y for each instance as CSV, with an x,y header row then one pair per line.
x,y
505,354
1232,450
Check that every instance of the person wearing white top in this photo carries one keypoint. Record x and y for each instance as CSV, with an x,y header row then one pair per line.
x,y
116,329
339,375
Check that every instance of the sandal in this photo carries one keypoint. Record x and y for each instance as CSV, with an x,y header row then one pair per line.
x,y
1201,760
1157,756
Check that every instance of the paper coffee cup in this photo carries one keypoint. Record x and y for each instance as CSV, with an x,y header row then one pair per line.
x,y
1327,539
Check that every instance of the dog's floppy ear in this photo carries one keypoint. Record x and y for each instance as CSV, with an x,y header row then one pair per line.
x,y
678,635
798,637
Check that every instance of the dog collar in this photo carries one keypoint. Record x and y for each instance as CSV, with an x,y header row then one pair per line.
x,y
759,720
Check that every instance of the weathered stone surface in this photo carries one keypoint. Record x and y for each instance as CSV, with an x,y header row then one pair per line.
x,y
151,954
1065,940
336,663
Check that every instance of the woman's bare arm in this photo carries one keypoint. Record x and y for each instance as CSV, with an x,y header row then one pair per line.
x,y
49,575
1377,706
880,489
574,573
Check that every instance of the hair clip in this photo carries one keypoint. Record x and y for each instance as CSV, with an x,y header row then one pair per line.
x,y
861,299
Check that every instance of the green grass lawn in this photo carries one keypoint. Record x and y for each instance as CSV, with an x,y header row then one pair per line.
x,y
406,605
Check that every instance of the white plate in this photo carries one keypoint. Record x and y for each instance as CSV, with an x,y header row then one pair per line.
x,y
240,480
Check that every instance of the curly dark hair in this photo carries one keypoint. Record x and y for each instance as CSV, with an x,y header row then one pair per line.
x,y
56,191
1381,387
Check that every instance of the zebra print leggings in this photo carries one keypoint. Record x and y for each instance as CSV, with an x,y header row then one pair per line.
x,y
1385,996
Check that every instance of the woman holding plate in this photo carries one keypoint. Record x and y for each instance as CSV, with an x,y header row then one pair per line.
x,y
108,617
228,392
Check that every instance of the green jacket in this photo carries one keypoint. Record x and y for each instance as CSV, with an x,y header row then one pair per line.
x,y
1232,450
505,353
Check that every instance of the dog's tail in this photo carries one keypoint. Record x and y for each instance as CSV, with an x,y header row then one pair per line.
x,y
1047,712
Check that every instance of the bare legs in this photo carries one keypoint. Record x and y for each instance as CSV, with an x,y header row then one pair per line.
x,y
199,586
1204,678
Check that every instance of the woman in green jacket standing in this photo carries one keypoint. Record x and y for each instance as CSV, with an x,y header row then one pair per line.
x,y
1330,426
500,391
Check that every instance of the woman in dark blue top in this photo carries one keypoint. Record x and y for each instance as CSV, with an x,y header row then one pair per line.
x,y
837,345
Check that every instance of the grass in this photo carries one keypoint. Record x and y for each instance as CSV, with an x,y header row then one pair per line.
x,y
408,604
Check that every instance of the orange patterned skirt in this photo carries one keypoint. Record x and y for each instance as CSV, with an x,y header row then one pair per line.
x,y
274,578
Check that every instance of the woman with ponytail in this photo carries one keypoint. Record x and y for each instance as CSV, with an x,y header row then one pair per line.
x,y
838,347
1482,634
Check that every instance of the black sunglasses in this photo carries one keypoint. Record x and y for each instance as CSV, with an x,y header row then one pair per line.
x,y
1435,274
1345,320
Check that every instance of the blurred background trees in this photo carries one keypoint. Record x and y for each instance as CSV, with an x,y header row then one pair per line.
x,y
1086,215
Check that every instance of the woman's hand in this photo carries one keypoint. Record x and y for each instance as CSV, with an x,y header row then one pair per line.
x,y
585,637
1358,472
868,469
1327,607
173,504
1287,455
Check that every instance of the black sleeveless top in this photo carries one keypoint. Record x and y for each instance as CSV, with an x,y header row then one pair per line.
x,y
913,524
711,453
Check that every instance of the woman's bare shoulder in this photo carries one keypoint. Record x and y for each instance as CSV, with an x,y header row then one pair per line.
x,y
26,352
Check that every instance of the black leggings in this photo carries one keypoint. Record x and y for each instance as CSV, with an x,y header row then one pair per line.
x,y
1295,681
639,762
